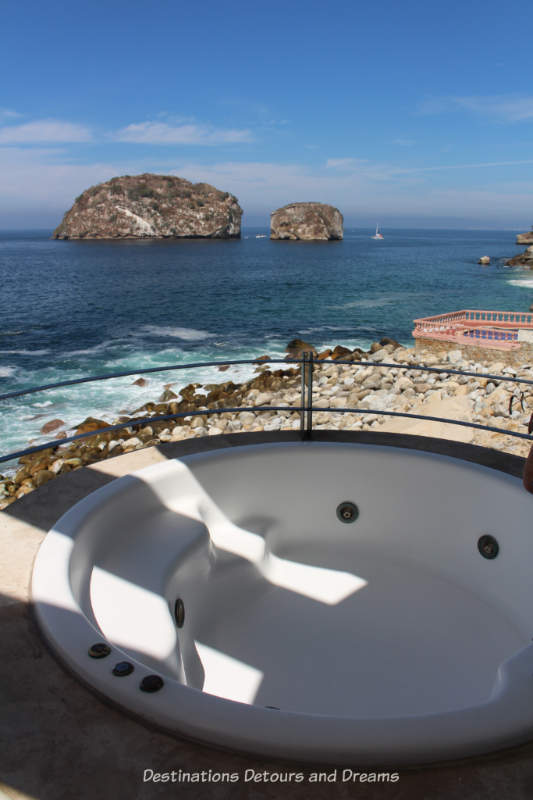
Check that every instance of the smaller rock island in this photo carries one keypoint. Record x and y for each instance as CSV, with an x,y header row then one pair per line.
x,y
152,207
525,238
306,221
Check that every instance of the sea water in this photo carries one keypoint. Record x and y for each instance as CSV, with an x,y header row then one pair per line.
x,y
70,308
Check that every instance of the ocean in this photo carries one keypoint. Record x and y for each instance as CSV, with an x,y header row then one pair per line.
x,y
70,309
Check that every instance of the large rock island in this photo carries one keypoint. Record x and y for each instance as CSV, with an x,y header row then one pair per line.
x,y
307,221
152,207
525,238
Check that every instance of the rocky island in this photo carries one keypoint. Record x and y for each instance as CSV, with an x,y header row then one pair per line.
x,y
306,221
525,238
524,259
152,207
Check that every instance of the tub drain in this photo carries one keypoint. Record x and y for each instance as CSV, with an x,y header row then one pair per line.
x,y
488,546
347,511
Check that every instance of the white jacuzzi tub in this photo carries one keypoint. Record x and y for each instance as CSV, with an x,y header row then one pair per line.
x,y
274,627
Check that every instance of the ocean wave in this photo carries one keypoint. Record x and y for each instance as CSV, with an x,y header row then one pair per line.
x,y
527,283
188,334
321,328
380,301
24,352
7,372
98,348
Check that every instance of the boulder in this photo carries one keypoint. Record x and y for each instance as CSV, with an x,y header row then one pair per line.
x,y
152,207
306,221
341,352
52,425
296,347
525,238
91,424
484,260
167,395
388,341
525,259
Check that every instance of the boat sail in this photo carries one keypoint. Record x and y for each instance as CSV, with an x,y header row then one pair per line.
x,y
378,235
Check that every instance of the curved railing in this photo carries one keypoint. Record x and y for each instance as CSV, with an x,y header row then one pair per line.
x,y
306,408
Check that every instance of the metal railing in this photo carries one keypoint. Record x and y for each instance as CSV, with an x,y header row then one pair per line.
x,y
306,408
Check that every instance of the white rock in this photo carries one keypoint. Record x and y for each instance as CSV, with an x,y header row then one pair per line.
x,y
403,383
380,355
273,424
263,399
372,382
133,442
339,402
247,417
234,425
454,356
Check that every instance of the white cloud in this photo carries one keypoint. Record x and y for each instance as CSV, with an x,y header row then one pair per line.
x,y
345,163
34,177
8,113
45,181
510,109
370,190
193,133
504,108
43,131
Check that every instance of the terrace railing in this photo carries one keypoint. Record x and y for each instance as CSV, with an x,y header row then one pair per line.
x,y
493,329
305,409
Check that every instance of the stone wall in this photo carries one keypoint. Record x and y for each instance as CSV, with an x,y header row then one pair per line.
x,y
513,358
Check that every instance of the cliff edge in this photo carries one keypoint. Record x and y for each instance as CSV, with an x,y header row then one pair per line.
x,y
308,221
151,207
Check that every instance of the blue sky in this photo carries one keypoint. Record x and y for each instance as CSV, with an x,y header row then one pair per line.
x,y
410,113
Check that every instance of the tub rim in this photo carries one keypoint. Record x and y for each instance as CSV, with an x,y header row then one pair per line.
x,y
287,734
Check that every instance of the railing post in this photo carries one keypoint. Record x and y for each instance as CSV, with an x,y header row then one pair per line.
x,y
309,427
302,397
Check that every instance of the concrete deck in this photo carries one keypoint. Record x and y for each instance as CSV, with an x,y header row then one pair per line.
x,y
59,741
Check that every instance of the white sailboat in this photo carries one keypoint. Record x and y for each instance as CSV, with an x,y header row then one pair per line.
x,y
378,235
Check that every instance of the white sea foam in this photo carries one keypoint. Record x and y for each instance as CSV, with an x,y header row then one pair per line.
x,y
44,404
364,303
524,282
7,372
98,348
188,334
24,352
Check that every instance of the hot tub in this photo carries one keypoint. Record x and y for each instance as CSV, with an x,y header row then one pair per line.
x,y
322,601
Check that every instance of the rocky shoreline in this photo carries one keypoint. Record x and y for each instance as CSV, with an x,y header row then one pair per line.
x,y
477,399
